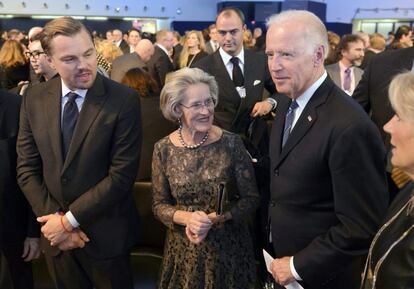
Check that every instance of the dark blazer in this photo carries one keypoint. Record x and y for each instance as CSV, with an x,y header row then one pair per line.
x,y
334,72
154,128
328,188
17,220
397,269
11,76
125,62
124,46
159,66
372,90
96,179
232,113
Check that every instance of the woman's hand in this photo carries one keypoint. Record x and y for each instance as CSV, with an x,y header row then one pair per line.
x,y
198,225
219,219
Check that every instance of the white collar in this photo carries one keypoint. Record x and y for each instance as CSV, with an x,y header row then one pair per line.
x,y
162,48
226,57
303,99
66,90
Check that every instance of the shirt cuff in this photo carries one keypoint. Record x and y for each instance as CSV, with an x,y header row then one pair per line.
x,y
72,219
293,270
273,102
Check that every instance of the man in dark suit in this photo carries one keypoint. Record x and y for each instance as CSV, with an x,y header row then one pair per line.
x,y
120,42
19,231
328,187
372,94
160,63
78,152
212,45
143,53
240,96
346,72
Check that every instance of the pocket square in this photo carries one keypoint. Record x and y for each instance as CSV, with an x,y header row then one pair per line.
x,y
256,82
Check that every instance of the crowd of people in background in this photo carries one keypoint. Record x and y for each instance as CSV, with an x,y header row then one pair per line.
x,y
207,102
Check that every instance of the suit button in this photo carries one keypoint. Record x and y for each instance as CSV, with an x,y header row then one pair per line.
x,y
276,172
272,204
64,181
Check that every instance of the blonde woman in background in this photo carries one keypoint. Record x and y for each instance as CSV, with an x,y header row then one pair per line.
x,y
193,49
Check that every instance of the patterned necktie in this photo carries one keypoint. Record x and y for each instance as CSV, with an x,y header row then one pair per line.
x,y
290,115
347,79
70,117
238,78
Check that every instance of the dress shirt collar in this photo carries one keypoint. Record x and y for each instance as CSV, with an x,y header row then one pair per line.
x,y
342,68
303,99
226,57
66,90
162,48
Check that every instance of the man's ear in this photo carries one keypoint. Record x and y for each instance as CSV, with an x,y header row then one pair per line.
x,y
319,55
50,61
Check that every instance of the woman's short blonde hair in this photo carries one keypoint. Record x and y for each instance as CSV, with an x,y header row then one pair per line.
x,y
401,95
175,88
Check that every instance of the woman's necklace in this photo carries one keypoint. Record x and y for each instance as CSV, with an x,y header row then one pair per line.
x,y
180,137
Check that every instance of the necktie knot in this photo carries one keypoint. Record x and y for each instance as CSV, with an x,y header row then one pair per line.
x,y
293,105
289,121
348,71
72,96
234,60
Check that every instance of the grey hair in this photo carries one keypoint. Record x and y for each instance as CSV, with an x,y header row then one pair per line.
x,y
401,94
314,30
175,88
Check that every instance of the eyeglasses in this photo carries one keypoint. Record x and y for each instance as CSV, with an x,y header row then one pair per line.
x,y
209,103
34,54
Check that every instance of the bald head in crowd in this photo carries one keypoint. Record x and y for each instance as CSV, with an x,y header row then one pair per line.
x,y
145,49
165,38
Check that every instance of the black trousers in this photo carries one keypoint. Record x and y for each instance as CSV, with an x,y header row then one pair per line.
x,y
14,271
75,269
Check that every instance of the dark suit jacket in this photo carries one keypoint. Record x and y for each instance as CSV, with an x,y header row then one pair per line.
x,y
397,269
154,127
232,113
124,46
96,179
372,91
159,66
124,63
17,220
328,188
334,72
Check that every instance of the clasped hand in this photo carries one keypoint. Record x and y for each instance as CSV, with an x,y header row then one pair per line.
x,y
199,223
66,239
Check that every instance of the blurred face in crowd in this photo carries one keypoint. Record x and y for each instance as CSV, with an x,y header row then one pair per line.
x,y
294,65
354,54
197,108
37,57
74,58
168,41
213,34
407,39
133,38
116,35
230,33
193,41
109,35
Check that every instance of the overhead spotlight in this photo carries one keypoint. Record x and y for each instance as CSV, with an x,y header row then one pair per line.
x,y
179,11
67,6
107,7
24,4
87,6
145,8
162,8
44,5
396,9
117,9
357,11
126,7
376,10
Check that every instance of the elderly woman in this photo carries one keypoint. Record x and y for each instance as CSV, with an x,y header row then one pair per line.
x,y
193,49
191,169
391,256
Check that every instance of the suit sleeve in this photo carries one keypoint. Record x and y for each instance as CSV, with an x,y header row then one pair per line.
x,y
124,159
360,200
117,71
361,92
29,168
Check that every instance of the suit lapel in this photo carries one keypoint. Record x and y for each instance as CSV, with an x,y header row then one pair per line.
x,y
306,120
52,112
91,107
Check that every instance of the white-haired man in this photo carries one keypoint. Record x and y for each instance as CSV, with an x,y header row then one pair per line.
x,y
328,188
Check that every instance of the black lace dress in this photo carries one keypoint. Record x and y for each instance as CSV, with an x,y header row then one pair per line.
x,y
185,179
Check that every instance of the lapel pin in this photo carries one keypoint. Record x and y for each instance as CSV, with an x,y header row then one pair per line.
x,y
309,118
